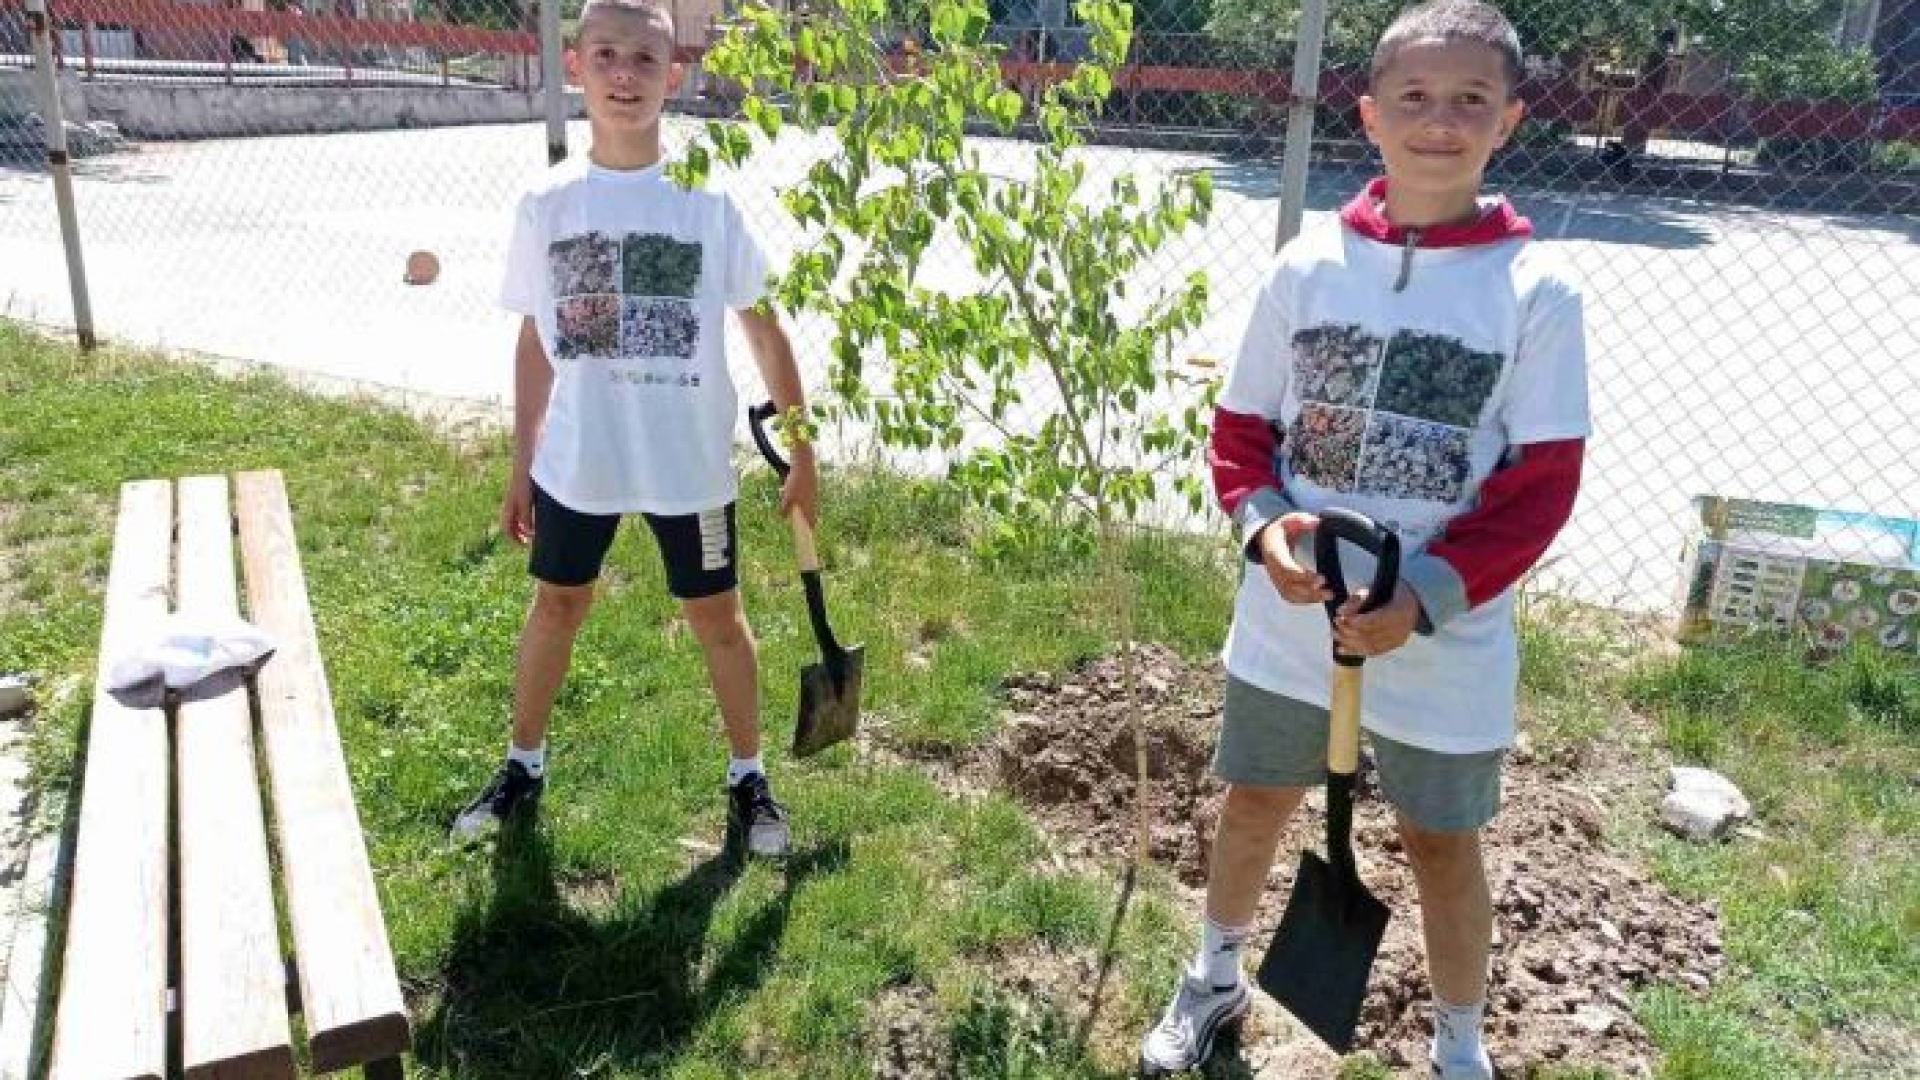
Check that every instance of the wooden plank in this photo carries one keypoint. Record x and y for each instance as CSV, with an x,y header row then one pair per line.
x,y
349,994
233,1008
112,1017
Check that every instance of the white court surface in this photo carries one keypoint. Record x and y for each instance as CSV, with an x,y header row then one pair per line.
x,y
1763,354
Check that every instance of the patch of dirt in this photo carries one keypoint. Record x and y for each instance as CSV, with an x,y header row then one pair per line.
x,y
905,1028
1884,1047
590,890
1577,927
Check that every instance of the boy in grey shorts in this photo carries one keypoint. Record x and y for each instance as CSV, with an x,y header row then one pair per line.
x,y
1271,741
1420,362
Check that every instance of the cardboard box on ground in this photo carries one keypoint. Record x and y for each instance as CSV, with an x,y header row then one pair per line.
x,y
1834,576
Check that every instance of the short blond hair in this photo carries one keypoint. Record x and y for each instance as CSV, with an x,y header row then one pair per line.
x,y
656,8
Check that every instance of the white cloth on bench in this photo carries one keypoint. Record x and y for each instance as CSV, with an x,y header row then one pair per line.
x,y
184,650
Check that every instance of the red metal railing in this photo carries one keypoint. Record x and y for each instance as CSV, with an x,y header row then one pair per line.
x,y
1717,117
221,25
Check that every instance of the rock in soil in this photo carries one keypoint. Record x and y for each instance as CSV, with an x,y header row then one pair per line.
x,y
1702,805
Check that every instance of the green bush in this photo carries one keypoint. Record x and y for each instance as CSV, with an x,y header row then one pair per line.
x,y
1821,71
1897,157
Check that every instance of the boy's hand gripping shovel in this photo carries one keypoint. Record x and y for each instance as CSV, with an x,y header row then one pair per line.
x,y
1318,963
830,689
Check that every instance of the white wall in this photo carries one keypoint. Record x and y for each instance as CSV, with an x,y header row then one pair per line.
x,y
19,96
145,111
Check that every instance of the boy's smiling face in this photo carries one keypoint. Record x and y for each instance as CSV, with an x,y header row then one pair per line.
x,y
623,61
1437,112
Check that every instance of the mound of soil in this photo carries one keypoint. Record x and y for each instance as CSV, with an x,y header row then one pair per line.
x,y
1577,927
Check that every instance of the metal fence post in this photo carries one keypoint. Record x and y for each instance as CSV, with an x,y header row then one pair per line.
x,y
53,129
553,81
1306,95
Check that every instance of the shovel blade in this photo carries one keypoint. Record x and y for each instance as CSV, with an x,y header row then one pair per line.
x,y
829,703
1322,954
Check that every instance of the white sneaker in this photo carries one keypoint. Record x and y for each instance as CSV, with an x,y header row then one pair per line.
x,y
1184,1036
1477,1070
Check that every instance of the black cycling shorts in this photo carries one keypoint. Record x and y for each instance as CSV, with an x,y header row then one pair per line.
x,y
699,550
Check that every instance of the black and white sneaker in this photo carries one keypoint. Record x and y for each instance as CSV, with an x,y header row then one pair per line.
x,y
511,790
1184,1036
756,824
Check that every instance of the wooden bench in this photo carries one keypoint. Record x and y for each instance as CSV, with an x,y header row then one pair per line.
x,y
183,919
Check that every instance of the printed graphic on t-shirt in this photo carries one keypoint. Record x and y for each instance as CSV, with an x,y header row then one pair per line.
x,y
1409,459
584,264
1336,364
660,328
652,265
627,298
588,326
1326,444
1436,378
1388,418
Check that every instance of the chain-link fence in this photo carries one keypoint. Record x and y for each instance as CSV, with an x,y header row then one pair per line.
x,y
1736,188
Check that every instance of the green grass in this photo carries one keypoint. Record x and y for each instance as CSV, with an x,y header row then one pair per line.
x,y
1570,663
598,943
1820,906
1823,906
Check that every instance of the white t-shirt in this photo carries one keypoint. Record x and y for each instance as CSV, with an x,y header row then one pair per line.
x,y
1398,405
629,277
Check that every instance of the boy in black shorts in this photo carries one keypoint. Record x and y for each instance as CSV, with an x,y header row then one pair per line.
x,y
623,404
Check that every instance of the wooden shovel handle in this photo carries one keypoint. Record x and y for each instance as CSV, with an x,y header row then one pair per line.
x,y
1343,740
803,546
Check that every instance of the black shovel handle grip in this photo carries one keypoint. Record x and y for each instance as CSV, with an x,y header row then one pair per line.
x,y
1337,524
757,417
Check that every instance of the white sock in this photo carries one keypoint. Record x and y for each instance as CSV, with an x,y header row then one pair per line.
x,y
1456,1035
740,768
534,761
1218,961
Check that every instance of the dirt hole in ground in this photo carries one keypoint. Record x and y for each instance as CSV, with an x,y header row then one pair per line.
x,y
1578,926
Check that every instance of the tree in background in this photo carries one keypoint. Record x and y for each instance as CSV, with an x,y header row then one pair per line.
x,y
929,368
1034,356
491,14
1772,34
1829,73
1785,43
1826,71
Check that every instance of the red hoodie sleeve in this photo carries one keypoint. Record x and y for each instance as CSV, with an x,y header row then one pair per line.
x,y
1240,456
1240,453
1522,508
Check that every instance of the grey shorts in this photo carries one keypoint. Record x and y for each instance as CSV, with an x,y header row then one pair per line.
x,y
1268,740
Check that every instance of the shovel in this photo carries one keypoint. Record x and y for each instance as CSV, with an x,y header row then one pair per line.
x,y
1318,963
830,689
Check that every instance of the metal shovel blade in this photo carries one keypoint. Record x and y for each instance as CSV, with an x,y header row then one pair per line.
x,y
829,702
1318,963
